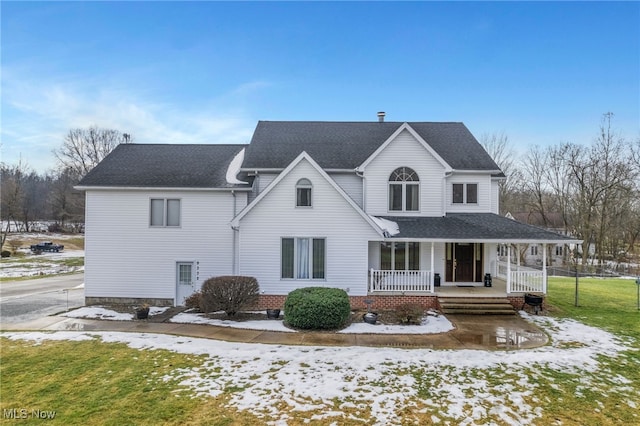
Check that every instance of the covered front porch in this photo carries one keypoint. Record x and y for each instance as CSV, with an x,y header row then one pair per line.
x,y
457,253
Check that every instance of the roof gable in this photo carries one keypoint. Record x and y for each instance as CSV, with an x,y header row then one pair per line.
x,y
164,166
302,157
407,127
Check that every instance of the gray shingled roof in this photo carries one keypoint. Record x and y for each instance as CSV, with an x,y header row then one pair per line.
x,y
472,227
346,145
166,166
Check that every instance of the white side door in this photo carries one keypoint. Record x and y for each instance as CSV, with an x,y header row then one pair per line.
x,y
184,282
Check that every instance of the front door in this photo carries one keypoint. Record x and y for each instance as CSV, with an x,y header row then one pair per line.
x,y
184,282
464,262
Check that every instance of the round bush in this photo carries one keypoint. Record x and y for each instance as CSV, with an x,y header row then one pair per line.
x,y
229,293
6,253
317,308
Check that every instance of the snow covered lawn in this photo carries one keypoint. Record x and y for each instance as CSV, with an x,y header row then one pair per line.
x,y
361,385
36,265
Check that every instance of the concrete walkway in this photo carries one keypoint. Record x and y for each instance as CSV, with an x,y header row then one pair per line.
x,y
472,332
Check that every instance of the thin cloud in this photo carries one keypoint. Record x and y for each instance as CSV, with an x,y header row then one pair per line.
x,y
36,116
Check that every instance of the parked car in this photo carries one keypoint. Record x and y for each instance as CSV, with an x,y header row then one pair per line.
x,y
46,246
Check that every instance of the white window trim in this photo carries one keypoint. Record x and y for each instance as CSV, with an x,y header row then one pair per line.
x,y
165,212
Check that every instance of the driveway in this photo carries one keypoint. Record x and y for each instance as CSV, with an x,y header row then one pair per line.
x,y
26,300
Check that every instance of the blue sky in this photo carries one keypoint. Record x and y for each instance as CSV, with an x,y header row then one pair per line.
x,y
206,72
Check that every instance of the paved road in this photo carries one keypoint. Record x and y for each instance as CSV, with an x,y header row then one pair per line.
x,y
27,300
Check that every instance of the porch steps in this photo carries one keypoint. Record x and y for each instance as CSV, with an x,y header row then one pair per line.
x,y
476,305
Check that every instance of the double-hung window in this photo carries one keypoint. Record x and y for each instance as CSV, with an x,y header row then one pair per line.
x,y
164,212
303,258
404,190
465,193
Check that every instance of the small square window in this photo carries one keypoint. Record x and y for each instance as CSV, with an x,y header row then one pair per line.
x,y
164,212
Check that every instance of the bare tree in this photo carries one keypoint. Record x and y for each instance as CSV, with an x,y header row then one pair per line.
x,y
11,195
83,149
67,204
498,147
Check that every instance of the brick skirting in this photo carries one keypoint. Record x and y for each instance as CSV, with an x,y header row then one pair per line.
x,y
276,301
272,301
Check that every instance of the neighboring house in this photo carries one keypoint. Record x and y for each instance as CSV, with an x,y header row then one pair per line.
x,y
531,254
383,210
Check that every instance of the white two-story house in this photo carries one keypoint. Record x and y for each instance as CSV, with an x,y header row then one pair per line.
x,y
395,212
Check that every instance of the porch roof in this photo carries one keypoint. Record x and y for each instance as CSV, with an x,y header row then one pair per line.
x,y
473,227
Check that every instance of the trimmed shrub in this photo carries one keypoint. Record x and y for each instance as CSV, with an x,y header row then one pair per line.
x,y
317,308
229,293
193,301
410,313
6,253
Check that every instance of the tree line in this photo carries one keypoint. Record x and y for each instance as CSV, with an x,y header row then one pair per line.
x,y
28,196
594,187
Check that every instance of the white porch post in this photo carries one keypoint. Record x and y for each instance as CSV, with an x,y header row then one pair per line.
x,y
544,268
433,285
508,268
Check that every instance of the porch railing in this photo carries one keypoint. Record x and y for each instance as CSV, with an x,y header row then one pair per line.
x,y
400,281
521,279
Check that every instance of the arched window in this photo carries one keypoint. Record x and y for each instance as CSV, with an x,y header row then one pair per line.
x,y
404,190
303,193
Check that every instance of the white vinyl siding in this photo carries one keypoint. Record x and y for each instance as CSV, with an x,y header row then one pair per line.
x,y
404,151
125,257
345,232
351,184
495,197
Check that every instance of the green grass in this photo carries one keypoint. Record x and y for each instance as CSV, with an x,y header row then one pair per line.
x,y
608,303
93,383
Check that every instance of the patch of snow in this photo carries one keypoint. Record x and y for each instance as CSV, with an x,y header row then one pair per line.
x,y
234,169
429,325
266,325
156,310
98,312
387,226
